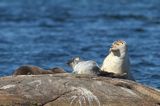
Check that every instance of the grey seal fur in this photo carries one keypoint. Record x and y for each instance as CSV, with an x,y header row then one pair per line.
x,y
84,67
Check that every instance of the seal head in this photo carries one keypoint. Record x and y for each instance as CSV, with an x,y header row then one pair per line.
x,y
119,48
74,61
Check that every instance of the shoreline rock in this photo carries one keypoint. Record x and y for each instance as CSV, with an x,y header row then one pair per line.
x,y
74,90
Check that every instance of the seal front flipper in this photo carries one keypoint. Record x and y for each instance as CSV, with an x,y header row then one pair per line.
x,y
113,75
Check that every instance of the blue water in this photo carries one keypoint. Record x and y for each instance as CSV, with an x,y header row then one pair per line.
x,y
47,33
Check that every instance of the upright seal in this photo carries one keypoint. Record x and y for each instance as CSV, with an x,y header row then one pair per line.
x,y
117,61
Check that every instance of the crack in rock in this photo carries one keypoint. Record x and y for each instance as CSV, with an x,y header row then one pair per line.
x,y
56,98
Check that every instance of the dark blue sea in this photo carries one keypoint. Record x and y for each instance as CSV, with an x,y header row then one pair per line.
x,y
47,33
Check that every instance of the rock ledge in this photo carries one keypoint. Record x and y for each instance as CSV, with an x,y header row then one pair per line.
x,y
74,90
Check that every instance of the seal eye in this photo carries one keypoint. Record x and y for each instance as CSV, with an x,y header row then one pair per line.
x,y
121,42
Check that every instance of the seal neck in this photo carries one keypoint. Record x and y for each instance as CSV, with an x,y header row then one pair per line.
x,y
121,52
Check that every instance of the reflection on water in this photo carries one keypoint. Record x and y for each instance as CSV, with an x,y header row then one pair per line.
x,y
48,33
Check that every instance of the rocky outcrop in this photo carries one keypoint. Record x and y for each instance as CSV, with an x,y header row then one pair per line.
x,y
74,90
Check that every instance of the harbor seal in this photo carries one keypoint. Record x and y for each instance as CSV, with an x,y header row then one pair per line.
x,y
90,67
118,60
34,70
79,66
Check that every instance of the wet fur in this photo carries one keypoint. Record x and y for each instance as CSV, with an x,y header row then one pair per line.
x,y
34,70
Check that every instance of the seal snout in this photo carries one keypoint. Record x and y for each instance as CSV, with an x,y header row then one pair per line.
x,y
117,45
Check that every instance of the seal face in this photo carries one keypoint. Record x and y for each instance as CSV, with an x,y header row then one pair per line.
x,y
84,67
118,60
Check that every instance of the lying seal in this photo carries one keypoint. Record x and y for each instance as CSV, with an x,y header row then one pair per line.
x,y
84,67
90,68
118,60
34,70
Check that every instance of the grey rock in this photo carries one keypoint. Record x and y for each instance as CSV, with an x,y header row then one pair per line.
x,y
74,90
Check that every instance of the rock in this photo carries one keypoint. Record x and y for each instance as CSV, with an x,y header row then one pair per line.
x,y
74,90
